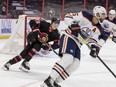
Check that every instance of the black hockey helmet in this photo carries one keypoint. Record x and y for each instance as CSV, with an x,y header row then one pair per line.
x,y
32,24
55,20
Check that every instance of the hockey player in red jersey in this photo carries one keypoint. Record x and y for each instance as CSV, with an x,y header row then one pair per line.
x,y
42,32
84,24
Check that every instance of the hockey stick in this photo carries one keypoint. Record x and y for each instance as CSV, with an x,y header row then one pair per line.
x,y
106,66
100,60
52,49
80,40
49,46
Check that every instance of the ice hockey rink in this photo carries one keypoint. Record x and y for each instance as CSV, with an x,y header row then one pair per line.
x,y
91,73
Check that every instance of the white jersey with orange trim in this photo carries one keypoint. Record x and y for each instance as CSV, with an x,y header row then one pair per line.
x,y
87,28
109,27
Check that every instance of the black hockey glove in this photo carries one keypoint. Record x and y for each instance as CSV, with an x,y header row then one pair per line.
x,y
114,39
94,51
46,47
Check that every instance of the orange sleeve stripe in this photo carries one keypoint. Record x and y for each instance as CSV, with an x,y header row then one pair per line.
x,y
76,28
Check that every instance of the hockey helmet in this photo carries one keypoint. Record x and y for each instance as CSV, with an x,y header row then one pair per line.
x,y
113,12
98,11
32,24
55,20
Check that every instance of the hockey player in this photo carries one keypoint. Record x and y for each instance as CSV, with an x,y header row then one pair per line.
x,y
112,19
108,23
42,32
112,15
89,28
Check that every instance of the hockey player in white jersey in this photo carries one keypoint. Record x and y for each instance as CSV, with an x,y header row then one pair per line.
x,y
89,28
112,18
108,23
112,15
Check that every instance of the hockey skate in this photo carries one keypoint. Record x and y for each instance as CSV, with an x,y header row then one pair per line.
x,y
6,66
25,66
56,84
49,82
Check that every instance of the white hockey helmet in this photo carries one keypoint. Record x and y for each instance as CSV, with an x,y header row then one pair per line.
x,y
99,10
113,12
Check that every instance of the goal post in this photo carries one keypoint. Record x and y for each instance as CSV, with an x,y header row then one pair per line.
x,y
17,40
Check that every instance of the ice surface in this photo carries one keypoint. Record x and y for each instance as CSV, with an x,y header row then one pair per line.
x,y
91,73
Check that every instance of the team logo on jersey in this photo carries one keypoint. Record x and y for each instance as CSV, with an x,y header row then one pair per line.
x,y
71,51
106,25
85,32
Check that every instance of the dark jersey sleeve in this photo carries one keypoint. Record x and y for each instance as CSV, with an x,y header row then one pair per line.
x,y
30,38
33,36
87,15
57,35
55,45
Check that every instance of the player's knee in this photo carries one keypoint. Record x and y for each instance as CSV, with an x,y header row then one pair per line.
x,y
76,62
74,66
67,59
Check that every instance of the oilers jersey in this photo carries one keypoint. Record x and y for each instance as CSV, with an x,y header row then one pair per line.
x,y
89,29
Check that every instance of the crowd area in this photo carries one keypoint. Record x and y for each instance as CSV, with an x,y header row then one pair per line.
x,y
14,8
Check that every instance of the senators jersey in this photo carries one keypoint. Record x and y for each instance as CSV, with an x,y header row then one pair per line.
x,y
44,26
53,35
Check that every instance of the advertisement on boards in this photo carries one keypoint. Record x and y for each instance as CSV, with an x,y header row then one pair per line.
x,y
6,26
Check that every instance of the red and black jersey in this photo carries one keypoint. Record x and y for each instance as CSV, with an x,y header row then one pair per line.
x,y
45,27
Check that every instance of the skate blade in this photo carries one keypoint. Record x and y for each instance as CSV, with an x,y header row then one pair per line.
x,y
23,69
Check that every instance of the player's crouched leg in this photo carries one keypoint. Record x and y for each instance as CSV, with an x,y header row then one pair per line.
x,y
15,60
59,69
70,69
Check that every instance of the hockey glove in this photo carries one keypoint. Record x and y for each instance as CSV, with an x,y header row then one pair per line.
x,y
43,37
114,39
46,47
94,51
